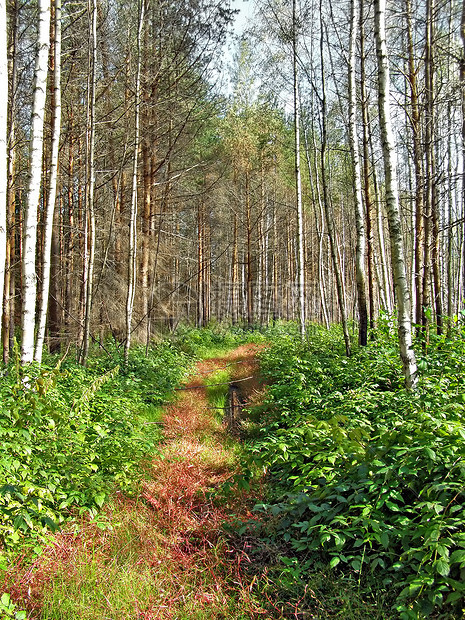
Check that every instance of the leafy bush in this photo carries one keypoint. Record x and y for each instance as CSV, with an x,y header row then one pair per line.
x,y
206,341
69,433
367,476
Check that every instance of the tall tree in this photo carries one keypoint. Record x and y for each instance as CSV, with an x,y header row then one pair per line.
x,y
298,176
3,140
326,194
132,255
34,183
53,179
359,212
89,216
392,200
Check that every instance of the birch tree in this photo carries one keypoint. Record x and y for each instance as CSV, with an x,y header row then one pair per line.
x,y
298,179
89,227
51,199
29,288
392,201
133,214
359,214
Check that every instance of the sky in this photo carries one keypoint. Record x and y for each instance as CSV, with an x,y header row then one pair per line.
x,y
246,10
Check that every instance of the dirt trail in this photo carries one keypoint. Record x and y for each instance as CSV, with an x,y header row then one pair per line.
x,y
169,541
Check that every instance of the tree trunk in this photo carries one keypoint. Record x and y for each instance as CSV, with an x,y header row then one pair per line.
x,y
462,85
298,181
33,186
89,216
248,218
418,164
326,198
3,147
234,276
431,187
392,201
8,311
51,198
132,256
359,214
366,170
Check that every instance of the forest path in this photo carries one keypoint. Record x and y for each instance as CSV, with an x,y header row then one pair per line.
x,y
165,553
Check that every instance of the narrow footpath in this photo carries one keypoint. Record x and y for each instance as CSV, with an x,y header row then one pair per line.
x,y
164,553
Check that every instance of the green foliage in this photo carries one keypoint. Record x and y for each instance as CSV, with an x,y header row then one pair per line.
x,y
217,387
69,434
368,477
215,339
8,609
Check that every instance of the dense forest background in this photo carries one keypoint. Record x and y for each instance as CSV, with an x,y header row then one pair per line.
x,y
143,190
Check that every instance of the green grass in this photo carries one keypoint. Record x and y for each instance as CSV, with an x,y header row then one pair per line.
x,y
217,387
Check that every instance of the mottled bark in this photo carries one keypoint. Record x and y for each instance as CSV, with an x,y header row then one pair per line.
x,y
392,201
29,284
358,201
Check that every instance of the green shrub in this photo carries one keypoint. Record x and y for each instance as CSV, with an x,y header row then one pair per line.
x,y
69,434
366,476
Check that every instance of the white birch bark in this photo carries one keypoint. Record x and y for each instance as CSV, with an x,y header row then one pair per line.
x,y
3,140
56,128
132,264
392,201
89,229
33,186
359,212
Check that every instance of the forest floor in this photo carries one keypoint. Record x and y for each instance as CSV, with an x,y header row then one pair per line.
x,y
165,552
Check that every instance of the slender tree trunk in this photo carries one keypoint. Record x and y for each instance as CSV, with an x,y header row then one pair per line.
x,y
415,120
3,146
8,311
234,275
55,313
132,257
359,214
33,185
392,201
298,181
89,216
462,85
326,199
51,198
320,224
248,218
200,263
431,186
366,169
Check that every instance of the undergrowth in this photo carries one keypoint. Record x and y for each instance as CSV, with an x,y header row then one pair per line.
x,y
163,552
216,339
70,434
367,479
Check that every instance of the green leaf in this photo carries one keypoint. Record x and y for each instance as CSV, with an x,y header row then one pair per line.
x,y
356,564
430,453
454,596
99,498
335,561
442,567
457,556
